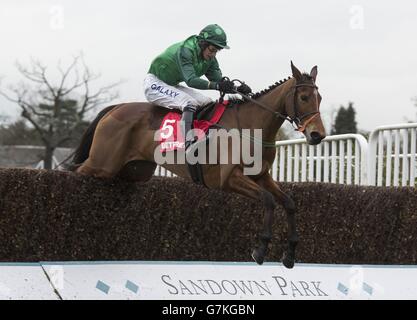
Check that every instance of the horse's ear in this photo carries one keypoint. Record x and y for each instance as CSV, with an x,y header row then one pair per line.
x,y
313,73
295,72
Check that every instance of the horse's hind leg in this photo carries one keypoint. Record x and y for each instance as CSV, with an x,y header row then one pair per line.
x,y
269,184
241,184
109,148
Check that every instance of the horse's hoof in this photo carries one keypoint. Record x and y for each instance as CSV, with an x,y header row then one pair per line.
x,y
258,257
287,261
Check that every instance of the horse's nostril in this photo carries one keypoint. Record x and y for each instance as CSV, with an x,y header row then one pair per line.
x,y
316,136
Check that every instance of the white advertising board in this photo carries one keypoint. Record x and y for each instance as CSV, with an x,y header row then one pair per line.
x,y
235,281
25,281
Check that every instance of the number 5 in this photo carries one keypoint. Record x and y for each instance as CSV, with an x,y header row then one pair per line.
x,y
168,126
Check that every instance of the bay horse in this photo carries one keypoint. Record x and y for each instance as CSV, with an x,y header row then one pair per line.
x,y
120,142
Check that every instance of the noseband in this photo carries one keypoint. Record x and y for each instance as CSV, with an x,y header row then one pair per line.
x,y
297,119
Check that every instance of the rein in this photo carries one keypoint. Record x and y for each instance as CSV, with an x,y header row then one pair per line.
x,y
296,119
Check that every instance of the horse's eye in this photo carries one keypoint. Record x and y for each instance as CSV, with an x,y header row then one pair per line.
x,y
304,98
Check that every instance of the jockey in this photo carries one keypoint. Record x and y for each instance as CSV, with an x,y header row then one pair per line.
x,y
187,61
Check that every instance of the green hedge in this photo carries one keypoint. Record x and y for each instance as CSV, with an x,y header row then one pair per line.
x,y
59,216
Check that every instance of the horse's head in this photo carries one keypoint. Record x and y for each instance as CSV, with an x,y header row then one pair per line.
x,y
303,105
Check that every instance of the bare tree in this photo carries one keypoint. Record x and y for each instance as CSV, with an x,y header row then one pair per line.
x,y
57,108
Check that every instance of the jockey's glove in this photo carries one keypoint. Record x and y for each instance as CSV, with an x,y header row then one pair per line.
x,y
244,88
226,86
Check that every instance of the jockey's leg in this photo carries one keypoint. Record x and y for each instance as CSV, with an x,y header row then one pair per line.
x,y
176,97
187,124
162,94
200,98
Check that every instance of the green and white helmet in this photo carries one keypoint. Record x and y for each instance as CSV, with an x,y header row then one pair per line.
x,y
215,35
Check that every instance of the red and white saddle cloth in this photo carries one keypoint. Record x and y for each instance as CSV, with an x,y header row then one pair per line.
x,y
170,134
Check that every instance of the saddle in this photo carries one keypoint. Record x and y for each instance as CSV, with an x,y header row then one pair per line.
x,y
206,112
171,138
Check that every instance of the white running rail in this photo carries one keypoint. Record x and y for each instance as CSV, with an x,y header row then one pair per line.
x,y
337,159
392,155
388,159
41,164
162,172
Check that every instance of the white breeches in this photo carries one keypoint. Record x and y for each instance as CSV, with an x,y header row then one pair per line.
x,y
173,97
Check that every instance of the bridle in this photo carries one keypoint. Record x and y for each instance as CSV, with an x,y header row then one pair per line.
x,y
297,119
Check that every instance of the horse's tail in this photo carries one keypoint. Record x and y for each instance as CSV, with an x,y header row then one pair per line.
x,y
83,150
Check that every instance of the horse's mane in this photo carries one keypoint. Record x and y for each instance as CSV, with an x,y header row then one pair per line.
x,y
236,100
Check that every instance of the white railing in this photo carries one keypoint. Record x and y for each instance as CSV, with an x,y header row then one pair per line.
x,y
392,155
41,164
162,172
389,158
337,159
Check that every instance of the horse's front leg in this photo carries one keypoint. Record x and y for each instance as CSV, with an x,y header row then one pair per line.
x,y
241,184
269,184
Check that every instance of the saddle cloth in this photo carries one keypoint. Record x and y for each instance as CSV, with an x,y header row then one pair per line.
x,y
170,133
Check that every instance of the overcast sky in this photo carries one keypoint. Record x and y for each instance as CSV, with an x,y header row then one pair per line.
x,y
366,51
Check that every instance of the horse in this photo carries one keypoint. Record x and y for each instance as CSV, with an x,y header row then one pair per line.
x,y
120,143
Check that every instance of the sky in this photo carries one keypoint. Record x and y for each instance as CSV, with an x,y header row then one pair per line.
x,y
366,51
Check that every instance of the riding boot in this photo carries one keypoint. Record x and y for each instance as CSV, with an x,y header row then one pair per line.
x,y
187,123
